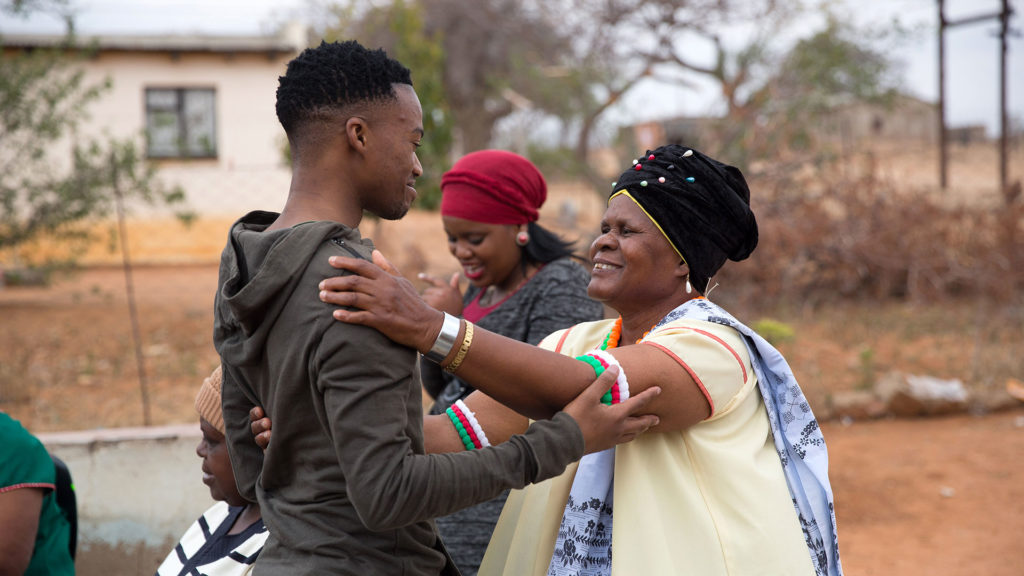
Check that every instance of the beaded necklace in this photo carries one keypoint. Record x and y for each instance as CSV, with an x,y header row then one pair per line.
x,y
600,362
611,340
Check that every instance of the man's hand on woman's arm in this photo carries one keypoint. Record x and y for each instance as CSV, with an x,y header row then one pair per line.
x,y
602,426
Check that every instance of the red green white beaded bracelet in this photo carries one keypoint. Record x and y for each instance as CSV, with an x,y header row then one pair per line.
x,y
620,391
474,424
466,425
467,442
600,361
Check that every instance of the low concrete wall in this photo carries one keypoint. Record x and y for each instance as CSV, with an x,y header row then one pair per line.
x,y
138,489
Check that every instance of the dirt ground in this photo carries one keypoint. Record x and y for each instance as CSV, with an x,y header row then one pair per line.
x,y
939,496
913,497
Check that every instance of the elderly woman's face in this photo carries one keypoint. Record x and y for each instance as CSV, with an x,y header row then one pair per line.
x,y
634,265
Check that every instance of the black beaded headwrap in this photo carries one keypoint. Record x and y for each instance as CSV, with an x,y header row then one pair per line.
x,y
701,206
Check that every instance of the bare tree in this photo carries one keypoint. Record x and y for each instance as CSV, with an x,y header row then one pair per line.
x,y
500,55
577,59
494,53
617,43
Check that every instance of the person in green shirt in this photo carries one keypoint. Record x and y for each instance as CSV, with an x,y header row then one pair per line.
x,y
34,533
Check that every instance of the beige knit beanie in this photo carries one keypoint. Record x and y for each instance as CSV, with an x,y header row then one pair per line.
x,y
208,400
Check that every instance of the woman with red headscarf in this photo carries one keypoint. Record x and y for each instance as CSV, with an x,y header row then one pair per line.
x,y
524,283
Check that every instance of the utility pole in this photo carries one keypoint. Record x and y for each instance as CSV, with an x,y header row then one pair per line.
x,y
1004,18
1004,144
943,153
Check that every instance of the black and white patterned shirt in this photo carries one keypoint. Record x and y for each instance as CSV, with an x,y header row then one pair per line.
x,y
207,548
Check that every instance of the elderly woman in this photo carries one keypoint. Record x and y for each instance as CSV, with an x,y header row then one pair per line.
x,y
735,482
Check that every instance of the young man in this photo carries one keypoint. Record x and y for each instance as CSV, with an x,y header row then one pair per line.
x,y
345,487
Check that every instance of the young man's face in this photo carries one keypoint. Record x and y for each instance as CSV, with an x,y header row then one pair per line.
x,y
395,133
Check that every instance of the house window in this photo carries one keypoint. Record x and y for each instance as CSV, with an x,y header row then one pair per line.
x,y
180,123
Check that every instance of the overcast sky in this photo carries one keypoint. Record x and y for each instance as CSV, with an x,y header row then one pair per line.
x,y
972,51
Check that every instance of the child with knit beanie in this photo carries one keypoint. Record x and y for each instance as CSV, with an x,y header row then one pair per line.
x,y
229,536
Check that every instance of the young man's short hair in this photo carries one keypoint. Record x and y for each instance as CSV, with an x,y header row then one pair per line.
x,y
321,81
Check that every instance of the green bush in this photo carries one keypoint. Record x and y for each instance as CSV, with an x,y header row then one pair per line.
x,y
774,331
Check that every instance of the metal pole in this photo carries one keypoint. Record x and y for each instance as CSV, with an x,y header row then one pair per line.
x,y
1004,18
942,96
133,313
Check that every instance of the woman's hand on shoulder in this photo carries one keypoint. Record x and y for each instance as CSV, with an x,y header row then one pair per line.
x,y
443,294
382,299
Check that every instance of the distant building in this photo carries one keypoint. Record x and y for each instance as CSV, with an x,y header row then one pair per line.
x,y
686,130
904,119
964,135
204,103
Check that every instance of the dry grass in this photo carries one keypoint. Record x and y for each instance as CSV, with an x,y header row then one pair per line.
x,y
835,268
67,359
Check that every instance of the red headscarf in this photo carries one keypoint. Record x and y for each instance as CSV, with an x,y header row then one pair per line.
x,y
493,187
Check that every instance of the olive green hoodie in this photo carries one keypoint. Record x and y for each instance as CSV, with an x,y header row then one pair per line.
x,y
344,487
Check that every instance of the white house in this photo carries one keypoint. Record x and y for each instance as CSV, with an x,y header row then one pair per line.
x,y
205,105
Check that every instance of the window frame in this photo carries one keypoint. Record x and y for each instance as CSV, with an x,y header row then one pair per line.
x,y
183,151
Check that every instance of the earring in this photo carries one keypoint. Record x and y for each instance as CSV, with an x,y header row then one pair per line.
x,y
689,289
522,239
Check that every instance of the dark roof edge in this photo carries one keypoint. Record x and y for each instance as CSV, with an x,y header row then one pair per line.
x,y
156,43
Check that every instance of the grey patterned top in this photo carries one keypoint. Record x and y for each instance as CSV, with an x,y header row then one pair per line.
x,y
555,298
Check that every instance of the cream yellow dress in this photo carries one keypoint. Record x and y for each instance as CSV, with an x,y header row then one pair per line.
x,y
709,500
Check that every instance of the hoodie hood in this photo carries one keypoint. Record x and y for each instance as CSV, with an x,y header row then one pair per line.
x,y
259,272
